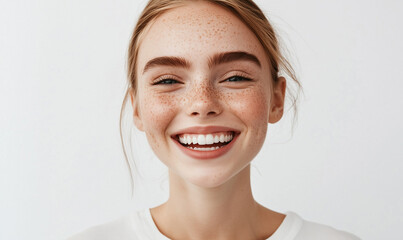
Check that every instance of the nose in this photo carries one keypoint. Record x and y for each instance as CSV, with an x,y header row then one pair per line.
x,y
204,101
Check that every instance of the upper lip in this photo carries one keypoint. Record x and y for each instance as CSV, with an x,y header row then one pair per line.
x,y
204,130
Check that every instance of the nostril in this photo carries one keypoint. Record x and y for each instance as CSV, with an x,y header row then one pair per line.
x,y
208,114
211,113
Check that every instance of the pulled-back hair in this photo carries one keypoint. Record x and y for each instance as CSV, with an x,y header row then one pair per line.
x,y
246,10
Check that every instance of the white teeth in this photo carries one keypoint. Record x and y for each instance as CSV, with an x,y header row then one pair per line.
x,y
228,138
222,138
204,149
201,140
207,139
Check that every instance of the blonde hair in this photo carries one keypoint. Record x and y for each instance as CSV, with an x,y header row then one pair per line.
x,y
245,10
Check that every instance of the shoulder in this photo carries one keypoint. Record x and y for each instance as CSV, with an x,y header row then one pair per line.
x,y
316,231
137,225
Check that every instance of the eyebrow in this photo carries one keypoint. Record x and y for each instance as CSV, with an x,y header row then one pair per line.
x,y
167,61
228,57
217,59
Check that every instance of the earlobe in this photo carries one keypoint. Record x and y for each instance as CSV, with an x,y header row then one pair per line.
x,y
277,100
136,113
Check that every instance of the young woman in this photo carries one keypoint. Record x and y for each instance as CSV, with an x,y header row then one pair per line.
x,y
204,83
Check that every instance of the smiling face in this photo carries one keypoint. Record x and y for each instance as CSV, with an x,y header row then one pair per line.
x,y
204,93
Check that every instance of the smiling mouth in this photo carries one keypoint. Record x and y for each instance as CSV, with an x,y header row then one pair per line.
x,y
205,142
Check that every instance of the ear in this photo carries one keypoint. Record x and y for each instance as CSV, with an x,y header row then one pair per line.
x,y
277,100
136,113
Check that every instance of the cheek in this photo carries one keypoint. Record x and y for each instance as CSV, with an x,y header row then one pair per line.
x,y
252,107
157,112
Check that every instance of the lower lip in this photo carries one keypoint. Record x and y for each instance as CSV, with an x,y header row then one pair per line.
x,y
204,155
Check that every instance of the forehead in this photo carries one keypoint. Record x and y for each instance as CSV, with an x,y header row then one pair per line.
x,y
196,31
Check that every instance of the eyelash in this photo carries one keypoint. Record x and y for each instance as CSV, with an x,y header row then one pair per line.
x,y
171,80
163,79
238,76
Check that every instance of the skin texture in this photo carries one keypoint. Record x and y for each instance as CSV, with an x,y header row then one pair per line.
x,y
209,199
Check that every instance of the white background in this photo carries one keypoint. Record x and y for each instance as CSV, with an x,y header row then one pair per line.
x,y
62,80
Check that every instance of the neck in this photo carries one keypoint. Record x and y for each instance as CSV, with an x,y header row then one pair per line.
x,y
224,212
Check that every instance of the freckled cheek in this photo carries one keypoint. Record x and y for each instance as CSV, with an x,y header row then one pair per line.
x,y
157,112
251,106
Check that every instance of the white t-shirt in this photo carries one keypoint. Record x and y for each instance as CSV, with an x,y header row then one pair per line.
x,y
140,226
